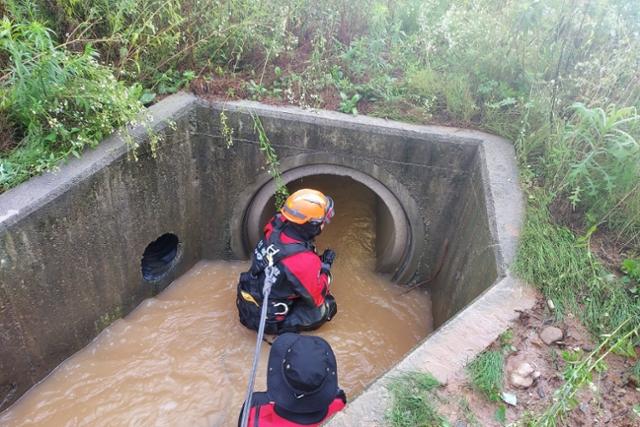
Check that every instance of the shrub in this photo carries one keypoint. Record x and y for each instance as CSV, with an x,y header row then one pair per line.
x,y
597,159
60,101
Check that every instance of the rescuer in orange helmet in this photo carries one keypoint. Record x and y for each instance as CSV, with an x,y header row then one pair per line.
x,y
300,298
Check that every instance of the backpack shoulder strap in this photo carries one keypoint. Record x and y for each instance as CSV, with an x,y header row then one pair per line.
x,y
279,250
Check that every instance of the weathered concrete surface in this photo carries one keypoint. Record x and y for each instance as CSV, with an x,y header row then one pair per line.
x,y
493,184
71,244
426,167
71,241
445,352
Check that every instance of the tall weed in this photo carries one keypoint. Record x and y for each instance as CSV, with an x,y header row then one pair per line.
x,y
59,101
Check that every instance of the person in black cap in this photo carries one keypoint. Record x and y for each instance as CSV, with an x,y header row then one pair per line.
x,y
302,384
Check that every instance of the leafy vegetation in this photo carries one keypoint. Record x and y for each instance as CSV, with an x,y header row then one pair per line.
x,y
559,79
42,103
635,372
413,395
534,72
271,159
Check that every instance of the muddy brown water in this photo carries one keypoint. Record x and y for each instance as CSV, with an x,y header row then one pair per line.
x,y
182,358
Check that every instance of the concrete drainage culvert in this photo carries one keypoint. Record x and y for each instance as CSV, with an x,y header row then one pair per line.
x,y
445,205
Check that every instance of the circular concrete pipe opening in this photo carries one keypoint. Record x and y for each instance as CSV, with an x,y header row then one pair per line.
x,y
159,257
395,252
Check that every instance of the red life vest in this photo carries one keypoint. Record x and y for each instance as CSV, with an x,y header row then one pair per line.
x,y
267,416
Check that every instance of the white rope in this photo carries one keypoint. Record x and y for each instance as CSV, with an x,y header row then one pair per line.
x,y
269,280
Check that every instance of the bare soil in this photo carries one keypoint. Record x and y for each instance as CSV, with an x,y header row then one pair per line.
x,y
8,137
608,402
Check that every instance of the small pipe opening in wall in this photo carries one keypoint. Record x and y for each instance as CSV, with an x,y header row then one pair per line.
x,y
158,257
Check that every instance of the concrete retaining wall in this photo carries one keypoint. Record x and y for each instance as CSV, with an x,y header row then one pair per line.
x,y
71,241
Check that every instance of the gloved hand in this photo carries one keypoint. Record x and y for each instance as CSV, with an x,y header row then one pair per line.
x,y
328,256
332,307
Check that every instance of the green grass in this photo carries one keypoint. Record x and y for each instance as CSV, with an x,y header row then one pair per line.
x,y
73,71
486,372
579,371
562,266
413,395
635,371
527,73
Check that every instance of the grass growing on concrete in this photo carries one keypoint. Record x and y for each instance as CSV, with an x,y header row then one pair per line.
x,y
413,395
271,159
486,372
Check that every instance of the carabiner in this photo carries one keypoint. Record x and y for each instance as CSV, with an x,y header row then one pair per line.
x,y
282,313
270,252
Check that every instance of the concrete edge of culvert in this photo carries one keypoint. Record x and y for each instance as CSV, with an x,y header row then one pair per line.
x,y
36,192
444,134
405,251
505,202
446,351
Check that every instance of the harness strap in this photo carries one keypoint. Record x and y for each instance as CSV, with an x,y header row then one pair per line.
x,y
284,250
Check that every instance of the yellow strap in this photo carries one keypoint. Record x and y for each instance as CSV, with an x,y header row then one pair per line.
x,y
247,297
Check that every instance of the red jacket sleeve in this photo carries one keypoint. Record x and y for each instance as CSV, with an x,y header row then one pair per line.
x,y
303,271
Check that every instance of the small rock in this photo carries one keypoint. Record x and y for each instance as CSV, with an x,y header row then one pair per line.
x,y
588,347
536,375
509,398
550,304
584,408
460,423
540,392
520,372
524,369
551,334
520,381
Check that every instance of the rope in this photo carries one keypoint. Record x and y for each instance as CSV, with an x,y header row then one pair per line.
x,y
269,280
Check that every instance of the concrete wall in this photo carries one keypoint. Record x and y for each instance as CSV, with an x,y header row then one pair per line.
x,y
71,244
467,332
71,241
422,166
467,256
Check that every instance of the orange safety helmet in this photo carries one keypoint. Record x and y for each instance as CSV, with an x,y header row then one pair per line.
x,y
308,205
